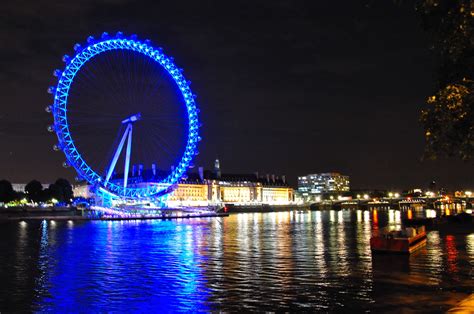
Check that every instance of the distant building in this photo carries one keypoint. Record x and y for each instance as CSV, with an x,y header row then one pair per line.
x,y
323,183
203,188
20,187
82,190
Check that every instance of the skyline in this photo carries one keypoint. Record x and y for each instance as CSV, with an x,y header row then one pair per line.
x,y
307,87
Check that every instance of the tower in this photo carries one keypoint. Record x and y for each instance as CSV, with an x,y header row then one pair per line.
x,y
217,168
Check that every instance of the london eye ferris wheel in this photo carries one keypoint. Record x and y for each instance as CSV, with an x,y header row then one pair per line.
x,y
125,117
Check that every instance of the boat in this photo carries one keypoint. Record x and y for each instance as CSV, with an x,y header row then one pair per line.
x,y
403,241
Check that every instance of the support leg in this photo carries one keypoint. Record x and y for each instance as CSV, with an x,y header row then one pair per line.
x,y
127,157
117,153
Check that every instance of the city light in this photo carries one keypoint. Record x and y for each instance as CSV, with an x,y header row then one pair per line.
x,y
366,196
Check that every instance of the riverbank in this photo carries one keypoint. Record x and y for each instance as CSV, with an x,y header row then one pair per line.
x,y
72,214
85,218
235,209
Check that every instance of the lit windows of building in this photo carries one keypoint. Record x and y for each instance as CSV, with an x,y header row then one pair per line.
x,y
322,183
204,187
277,195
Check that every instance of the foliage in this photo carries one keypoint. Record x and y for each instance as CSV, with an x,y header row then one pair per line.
x,y
61,190
34,191
7,194
448,118
448,122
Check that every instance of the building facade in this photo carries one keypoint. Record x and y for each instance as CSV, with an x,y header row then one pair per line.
x,y
189,194
323,183
204,188
20,187
229,189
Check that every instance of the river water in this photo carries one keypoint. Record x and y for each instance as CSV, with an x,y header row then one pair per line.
x,y
291,261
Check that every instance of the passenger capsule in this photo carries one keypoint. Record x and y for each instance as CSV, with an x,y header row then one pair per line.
x,y
56,147
57,73
77,47
48,108
51,89
51,128
90,40
105,35
66,58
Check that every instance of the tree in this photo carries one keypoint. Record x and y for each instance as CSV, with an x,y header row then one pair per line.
x,y
34,191
448,118
7,194
54,191
66,189
61,190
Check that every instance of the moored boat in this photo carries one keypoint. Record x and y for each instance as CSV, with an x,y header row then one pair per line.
x,y
401,241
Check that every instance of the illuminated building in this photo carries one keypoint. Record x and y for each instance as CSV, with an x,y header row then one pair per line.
x,y
238,194
20,187
82,190
252,189
212,187
188,194
277,195
323,183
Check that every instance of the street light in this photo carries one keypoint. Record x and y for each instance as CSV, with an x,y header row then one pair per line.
x,y
366,196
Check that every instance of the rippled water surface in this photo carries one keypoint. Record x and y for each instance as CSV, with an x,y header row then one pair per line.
x,y
298,260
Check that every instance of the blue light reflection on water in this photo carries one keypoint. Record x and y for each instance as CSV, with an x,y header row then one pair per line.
x,y
286,261
94,269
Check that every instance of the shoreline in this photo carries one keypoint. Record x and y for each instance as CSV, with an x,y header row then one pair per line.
x,y
85,218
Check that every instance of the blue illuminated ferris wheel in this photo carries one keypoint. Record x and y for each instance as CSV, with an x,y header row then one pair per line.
x,y
122,101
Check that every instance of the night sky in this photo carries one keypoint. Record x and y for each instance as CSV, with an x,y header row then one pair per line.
x,y
284,87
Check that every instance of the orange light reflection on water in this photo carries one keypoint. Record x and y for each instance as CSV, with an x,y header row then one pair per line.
x,y
375,218
452,253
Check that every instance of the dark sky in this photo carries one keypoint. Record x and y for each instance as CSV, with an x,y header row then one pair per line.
x,y
285,87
